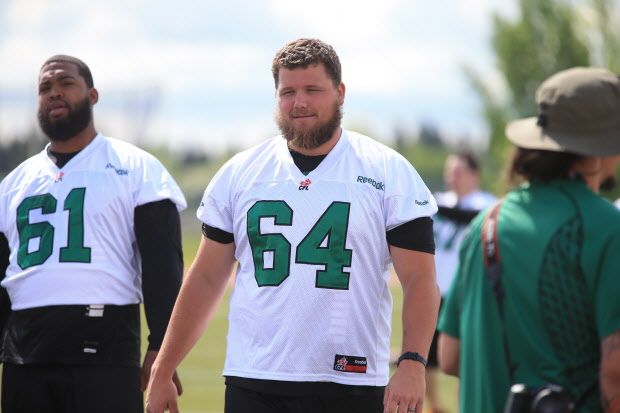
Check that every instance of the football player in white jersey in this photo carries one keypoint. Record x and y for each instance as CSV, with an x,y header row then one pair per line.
x,y
313,217
89,228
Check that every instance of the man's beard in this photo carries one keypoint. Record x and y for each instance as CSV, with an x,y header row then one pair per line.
x,y
63,129
608,184
309,138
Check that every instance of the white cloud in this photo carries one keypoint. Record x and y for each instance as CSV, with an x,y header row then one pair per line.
x,y
28,13
214,135
478,12
348,21
403,53
399,69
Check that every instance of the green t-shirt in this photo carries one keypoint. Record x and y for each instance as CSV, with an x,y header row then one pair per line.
x,y
559,245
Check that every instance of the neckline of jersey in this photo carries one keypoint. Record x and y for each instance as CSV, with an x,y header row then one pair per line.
x,y
81,154
325,164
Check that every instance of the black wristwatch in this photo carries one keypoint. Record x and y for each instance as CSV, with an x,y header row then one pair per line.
x,y
410,355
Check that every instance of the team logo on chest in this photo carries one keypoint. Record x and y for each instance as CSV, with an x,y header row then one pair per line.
x,y
58,177
305,184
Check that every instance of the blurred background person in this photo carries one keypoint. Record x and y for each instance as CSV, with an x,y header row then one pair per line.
x,y
458,205
538,305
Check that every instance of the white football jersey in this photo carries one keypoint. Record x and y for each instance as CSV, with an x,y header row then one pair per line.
x,y
449,234
311,300
71,230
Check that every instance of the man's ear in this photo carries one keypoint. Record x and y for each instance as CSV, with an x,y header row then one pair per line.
x,y
93,96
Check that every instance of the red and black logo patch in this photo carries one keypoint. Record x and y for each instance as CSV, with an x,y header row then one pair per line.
x,y
350,364
305,184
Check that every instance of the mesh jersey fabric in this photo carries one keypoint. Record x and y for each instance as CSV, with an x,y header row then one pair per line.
x,y
313,261
449,234
72,229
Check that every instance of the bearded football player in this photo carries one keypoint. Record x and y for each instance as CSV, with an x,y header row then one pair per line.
x,y
89,229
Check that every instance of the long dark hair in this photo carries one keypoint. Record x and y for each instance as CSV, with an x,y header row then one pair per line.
x,y
537,165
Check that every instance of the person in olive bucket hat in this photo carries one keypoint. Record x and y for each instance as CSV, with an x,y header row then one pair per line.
x,y
535,298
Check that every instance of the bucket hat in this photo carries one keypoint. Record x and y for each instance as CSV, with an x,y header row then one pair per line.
x,y
578,112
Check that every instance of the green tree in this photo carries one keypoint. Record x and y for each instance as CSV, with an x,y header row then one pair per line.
x,y
544,39
604,33
14,152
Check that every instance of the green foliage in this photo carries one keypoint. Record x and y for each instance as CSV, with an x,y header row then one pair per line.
x,y
606,34
496,115
543,41
428,160
16,151
547,37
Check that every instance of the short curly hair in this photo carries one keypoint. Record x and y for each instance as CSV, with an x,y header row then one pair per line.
x,y
305,52
82,67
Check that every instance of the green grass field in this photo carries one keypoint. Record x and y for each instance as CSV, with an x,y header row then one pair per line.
x,y
201,371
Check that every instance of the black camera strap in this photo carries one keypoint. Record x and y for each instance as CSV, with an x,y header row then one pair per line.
x,y
493,271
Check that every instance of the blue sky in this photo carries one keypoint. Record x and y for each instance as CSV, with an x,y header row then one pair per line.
x,y
196,73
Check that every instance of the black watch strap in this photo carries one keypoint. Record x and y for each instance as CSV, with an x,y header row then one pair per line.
x,y
411,355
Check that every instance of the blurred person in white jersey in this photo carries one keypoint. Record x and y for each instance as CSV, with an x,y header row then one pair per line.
x,y
89,228
314,217
462,201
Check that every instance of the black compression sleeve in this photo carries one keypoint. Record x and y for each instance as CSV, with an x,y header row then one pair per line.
x,y
5,302
217,235
414,235
158,232
4,255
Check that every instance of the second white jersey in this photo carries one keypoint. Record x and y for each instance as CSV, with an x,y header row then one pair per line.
x,y
71,229
311,300
449,234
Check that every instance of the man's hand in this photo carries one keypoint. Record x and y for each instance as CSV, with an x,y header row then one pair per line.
x,y
405,391
145,375
161,395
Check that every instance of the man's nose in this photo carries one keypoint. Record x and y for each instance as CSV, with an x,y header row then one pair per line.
x,y
55,92
301,101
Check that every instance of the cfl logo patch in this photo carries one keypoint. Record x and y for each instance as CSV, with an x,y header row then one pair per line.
x,y
350,364
341,364
304,185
